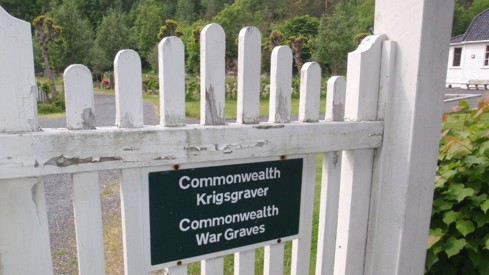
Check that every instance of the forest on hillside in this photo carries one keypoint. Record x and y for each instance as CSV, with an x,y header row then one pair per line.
x,y
91,32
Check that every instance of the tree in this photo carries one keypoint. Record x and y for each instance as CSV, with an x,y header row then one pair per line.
x,y
297,45
47,32
112,36
25,9
185,11
149,16
299,31
77,34
233,18
464,12
171,28
337,33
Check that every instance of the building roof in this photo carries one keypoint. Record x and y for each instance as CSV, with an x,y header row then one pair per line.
x,y
478,29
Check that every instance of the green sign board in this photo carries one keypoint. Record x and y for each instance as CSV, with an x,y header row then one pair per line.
x,y
193,212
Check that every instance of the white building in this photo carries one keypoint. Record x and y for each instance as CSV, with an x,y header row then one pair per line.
x,y
468,60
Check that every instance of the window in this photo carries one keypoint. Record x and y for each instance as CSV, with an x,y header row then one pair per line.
x,y
457,56
486,56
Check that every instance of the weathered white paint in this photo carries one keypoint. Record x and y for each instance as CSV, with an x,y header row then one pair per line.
x,y
471,64
330,182
88,223
421,29
335,99
356,166
301,247
310,92
249,67
132,228
212,75
18,107
24,237
128,90
177,270
363,80
387,67
280,84
80,109
171,58
55,151
273,257
212,266
244,262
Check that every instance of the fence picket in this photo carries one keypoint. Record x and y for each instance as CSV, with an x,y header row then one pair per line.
x,y
171,58
88,223
129,114
212,266
128,90
132,229
280,85
330,182
244,262
274,259
310,92
24,235
80,114
18,107
249,63
177,270
80,110
301,247
356,166
212,75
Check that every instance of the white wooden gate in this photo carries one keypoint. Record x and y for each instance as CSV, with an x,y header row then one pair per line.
x,y
351,213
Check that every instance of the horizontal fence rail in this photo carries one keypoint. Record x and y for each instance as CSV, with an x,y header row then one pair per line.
x,y
131,147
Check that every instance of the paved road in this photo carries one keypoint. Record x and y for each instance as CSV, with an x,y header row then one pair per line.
x,y
59,189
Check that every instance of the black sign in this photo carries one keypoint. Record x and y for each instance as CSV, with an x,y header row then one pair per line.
x,y
199,211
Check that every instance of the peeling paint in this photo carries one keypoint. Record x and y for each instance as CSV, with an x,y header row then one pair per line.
x,y
36,164
88,119
270,126
131,149
211,112
166,158
338,112
282,111
335,158
126,121
62,161
34,200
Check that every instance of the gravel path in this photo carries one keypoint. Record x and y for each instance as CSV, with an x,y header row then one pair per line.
x,y
59,189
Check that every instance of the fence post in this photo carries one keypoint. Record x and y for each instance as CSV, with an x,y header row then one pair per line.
x,y
24,236
405,166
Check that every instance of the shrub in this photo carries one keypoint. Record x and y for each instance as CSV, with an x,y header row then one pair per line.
x,y
460,218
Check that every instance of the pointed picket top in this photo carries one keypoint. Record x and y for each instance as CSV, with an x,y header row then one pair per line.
x,y
128,90
249,63
335,99
212,75
310,93
78,86
18,107
280,84
363,67
171,61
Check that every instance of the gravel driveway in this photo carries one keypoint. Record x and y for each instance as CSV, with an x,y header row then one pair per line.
x,y
59,189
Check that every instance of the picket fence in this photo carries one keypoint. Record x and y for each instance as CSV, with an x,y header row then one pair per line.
x,y
352,137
